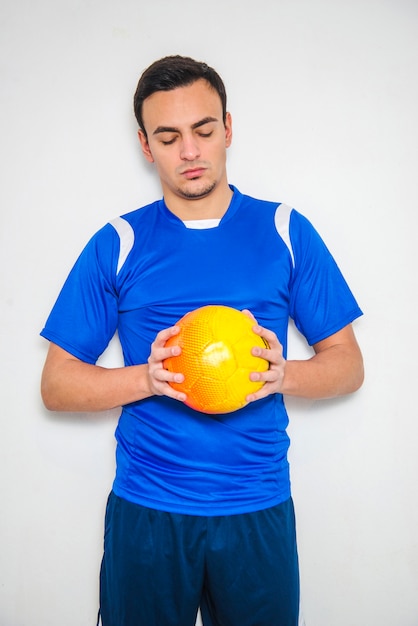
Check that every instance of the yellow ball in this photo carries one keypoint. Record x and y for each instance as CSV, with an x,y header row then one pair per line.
x,y
216,358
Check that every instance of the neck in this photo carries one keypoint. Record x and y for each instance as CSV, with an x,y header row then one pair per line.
x,y
212,206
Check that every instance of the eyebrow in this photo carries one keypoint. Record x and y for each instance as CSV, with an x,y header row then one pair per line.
x,y
173,129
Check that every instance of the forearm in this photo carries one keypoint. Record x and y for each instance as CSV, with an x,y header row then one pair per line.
x,y
76,386
69,384
336,368
334,372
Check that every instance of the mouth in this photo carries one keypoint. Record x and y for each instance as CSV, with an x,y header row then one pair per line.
x,y
195,172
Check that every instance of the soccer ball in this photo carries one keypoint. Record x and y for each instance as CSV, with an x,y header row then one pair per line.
x,y
216,358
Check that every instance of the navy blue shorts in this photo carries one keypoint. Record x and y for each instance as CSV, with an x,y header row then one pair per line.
x,y
158,568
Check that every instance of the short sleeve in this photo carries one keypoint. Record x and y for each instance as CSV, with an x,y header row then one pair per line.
x,y
85,315
321,301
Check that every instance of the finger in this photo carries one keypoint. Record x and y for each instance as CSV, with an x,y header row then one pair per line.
x,y
159,351
258,395
268,335
269,376
165,334
174,393
165,376
161,379
248,313
164,389
262,353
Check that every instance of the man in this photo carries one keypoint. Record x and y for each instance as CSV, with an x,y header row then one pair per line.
x,y
200,514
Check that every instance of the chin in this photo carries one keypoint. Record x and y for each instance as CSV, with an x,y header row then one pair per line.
x,y
194,193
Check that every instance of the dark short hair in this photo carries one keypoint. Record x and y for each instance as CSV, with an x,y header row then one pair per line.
x,y
171,72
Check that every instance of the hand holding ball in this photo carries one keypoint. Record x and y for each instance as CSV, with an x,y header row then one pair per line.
x,y
216,358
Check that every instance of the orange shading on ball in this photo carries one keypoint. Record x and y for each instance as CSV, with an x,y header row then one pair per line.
x,y
216,358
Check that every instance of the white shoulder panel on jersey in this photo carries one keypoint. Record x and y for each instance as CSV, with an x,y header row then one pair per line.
x,y
127,238
282,221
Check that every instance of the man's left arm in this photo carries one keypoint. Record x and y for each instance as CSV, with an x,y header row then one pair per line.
x,y
335,369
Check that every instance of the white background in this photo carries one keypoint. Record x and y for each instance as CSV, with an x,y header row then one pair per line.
x,y
324,100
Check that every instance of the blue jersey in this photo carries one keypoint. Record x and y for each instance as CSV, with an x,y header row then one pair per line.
x,y
140,274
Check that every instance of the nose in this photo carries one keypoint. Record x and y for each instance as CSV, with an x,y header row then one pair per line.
x,y
189,148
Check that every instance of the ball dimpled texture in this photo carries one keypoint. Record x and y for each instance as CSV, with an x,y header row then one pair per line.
x,y
216,358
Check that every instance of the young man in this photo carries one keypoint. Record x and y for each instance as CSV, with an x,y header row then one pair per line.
x,y
200,513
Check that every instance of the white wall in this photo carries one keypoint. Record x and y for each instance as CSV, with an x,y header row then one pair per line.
x,y
324,99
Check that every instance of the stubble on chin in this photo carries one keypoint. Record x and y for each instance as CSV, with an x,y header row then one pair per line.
x,y
196,194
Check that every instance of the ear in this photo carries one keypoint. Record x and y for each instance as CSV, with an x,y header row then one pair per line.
x,y
145,146
228,130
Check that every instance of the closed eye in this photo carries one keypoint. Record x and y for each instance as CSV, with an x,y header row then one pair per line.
x,y
168,141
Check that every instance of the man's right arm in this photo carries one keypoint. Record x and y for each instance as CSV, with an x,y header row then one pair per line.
x,y
69,384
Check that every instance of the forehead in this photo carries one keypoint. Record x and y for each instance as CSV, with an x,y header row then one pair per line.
x,y
181,107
